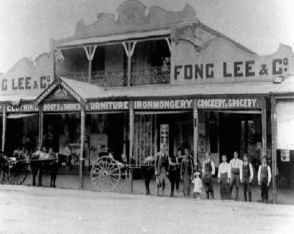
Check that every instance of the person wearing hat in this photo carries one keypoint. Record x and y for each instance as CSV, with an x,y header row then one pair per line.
x,y
236,174
161,169
187,168
246,179
208,170
264,179
197,185
224,175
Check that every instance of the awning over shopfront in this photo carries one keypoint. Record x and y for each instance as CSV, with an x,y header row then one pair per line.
x,y
286,87
89,91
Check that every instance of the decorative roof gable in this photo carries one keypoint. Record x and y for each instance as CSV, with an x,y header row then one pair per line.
x,y
133,16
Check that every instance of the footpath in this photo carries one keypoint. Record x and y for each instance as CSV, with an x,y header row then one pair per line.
x,y
72,181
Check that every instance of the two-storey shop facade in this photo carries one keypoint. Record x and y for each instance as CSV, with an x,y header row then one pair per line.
x,y
141,77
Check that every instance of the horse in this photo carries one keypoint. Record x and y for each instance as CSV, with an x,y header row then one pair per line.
x,y
41,161
148,171
3,165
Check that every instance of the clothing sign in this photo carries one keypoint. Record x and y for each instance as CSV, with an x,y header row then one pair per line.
x,y
164,104
22,108
229,103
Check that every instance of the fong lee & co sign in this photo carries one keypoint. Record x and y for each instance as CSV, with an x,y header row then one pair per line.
x,y
227,70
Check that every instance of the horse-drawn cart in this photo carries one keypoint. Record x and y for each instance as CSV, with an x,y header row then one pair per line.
x,y
13,170
108,174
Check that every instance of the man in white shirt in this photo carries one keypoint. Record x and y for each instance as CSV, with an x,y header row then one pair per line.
x,y
264,179
246,179
236,174
224,175
208,170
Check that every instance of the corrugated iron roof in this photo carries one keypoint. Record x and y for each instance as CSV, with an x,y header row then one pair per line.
x,y
90,91
24,97
287,86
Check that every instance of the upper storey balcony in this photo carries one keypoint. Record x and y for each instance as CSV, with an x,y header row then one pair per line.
x,y
129,48
144,62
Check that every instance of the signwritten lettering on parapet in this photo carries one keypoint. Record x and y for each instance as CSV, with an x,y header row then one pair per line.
x,y
229,103
164,104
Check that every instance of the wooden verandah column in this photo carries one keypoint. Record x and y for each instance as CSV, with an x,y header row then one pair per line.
x,y
41,126
195,130
83,116
129,49
274,147
90,52
4,121
131,136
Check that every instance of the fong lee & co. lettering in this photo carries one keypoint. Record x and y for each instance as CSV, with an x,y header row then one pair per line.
x,y
164,104
228,103
236,69
25,83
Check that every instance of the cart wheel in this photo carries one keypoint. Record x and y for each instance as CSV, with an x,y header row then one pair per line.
x,y
106,174
18,173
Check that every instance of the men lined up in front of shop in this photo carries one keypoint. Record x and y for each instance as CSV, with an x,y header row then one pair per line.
x,y
229,175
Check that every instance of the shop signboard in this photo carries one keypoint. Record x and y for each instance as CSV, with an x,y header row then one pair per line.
x,y
28,77
164,136
229,103
285,155
220,61
23,107
163,104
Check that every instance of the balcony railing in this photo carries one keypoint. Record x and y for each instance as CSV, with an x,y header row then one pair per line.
x,y
118,78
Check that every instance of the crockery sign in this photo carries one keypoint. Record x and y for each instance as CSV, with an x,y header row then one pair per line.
x,y
229,103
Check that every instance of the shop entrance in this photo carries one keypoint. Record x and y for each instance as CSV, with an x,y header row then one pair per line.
x,y
241,133
230,134
174,129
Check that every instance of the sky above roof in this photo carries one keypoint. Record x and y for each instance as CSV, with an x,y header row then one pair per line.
x,y
26,26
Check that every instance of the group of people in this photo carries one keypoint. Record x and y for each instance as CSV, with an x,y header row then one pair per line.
x,y
230,175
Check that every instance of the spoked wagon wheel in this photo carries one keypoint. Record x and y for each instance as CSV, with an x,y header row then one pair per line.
x,y
106,174
18,173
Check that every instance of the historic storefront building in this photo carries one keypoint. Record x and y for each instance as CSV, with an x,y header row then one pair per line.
x,y
141,77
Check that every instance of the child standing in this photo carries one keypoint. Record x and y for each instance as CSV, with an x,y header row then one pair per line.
x,y
197,185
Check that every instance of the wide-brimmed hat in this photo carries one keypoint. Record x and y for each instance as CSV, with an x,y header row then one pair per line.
x,y
197,173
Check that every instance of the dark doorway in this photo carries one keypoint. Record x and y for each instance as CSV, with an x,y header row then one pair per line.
x,y
14,134
230,134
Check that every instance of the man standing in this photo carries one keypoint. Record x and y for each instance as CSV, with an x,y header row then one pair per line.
x,y
161,169
246,179
208,170
187,168
264,179
236,172
224,175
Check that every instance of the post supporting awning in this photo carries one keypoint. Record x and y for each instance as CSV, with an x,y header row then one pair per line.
x,y
4,129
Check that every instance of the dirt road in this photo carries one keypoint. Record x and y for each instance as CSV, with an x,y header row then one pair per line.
x,y
43,210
